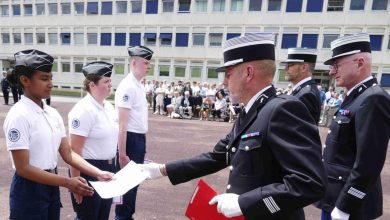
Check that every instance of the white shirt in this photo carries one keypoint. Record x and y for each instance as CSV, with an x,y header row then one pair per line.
x,y
131,95
365,80
301,82
29,127
253,99
98,124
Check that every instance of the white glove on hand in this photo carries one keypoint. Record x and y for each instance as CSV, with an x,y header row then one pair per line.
x,y
337,214
152,170
227,204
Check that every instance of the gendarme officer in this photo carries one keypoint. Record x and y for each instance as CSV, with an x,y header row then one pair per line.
x,y
356,146
299,67
273,173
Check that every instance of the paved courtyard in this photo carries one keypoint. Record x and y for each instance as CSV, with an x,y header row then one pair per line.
x,y
168,139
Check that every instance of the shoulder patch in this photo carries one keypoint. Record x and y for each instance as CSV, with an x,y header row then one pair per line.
x,y
13,135
75,123
125,98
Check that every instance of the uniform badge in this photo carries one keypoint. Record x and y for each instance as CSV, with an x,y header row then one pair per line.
x,y
75,123
13,135
344,112
254,134
125,98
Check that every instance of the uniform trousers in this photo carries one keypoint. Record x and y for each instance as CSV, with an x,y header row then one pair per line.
x,y
6,95
94,207
325,215
135,150
33,201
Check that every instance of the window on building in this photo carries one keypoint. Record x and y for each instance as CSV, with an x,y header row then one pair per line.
x,y
218,5
166,39
16,10
40,9
215,39
212,73
167,5
327,39
379,4
136,6
150,39
106,8
54,68
92,8
40,38
385,80
78,38
53,9
255,5
201,5
4,10
184,6
79,8
28,38
28,9
151,69
105,39
180,71
310,40
151,6
78,67
92,38
181,39
135,39
282,75
53,39
121,7
232,35
120,39
314,5
163,70
65,8
289,40
65,67
335,5
196,72
65,38
198,39
294,6
357,4
274,5
5,38
119,68
236,5
17,38
376,42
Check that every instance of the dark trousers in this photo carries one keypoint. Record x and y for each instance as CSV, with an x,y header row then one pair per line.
x,y
94,207
135,150
33,201
15,94
325,215
6,95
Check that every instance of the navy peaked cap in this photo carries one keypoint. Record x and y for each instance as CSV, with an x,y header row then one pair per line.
x,y
100,68
301,55
140,51
34,59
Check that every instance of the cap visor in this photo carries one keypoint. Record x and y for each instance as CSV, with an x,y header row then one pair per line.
x,y
221,69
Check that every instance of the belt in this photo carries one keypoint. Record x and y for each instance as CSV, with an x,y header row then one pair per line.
x,y
109,161
52,170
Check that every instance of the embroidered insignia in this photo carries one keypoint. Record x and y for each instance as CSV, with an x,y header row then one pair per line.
x,y
75,123
254,134
344,112
13,135
125,98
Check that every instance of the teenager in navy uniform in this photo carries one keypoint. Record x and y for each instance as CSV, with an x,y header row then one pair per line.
x,y
299,68
93,132
132,107
35,133
274,172
356,146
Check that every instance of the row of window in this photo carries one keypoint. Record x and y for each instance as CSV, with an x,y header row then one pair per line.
x,y
184,6
288,40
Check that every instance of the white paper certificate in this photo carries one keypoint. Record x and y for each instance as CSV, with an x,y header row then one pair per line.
x,y
127,178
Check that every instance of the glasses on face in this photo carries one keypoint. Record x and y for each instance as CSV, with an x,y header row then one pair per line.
x,y
288,65
335,66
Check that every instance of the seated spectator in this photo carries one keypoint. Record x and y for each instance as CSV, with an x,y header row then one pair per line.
x,y
234,110
219,106
186,105
197,103
205,109
175,103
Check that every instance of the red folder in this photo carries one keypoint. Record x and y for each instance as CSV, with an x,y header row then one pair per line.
x,y
199,208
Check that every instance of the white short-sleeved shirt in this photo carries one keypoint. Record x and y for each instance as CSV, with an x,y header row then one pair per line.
x,y
131,95
98,124
29,127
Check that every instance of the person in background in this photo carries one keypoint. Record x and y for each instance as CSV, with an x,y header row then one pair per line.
x,y
5,88
219,106
186,105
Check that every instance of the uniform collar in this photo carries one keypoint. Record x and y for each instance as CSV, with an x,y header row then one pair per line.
x,y
91,99
357,85
254,98
30,103
301,82
132,78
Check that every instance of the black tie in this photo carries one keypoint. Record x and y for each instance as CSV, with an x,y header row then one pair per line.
x,y
242,115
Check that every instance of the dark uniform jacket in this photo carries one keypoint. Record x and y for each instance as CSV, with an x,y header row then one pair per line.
x,y
274,156
355,152
309,94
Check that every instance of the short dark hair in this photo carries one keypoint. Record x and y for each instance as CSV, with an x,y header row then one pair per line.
x,y
90,78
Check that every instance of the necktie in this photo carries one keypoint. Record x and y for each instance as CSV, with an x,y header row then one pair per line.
x,y
242,115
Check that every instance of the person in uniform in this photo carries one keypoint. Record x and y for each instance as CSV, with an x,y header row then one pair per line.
x,y
93,132
274,173
299,68
35,133
356,145
132,108
5,88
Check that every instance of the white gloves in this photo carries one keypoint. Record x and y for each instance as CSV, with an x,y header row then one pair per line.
x,y
227,204
337,214
152,170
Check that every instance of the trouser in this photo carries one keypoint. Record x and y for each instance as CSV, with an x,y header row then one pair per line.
x,y
6,95
325,215
15,94
94,207
135,150
33,201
